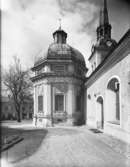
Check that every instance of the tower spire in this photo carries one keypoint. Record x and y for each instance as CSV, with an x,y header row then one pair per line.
x,y
104,19
104,41
104,28
105,4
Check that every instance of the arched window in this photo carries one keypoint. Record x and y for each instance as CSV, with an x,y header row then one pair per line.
x,y
113,99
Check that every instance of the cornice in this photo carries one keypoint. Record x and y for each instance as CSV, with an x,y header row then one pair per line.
x,y
59,80
46,61
53,75
66,59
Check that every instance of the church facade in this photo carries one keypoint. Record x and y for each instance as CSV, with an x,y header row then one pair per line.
x,y
59,84
108,86
63,93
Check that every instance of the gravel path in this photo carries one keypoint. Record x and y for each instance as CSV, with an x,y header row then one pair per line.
x,y
76,147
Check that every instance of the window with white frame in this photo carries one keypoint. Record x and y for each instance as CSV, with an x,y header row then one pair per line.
x,y
40,103
59,102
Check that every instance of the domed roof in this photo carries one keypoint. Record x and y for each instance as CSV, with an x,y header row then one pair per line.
x,y
78,55
65,49
40,57
60,48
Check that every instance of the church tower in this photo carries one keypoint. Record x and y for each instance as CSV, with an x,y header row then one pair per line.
x,y
104,42
104,28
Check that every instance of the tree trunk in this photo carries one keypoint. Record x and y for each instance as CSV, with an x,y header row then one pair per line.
x,y
18,113
19,117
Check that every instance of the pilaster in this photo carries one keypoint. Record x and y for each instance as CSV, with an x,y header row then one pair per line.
x,y
47,105
71,103
35,106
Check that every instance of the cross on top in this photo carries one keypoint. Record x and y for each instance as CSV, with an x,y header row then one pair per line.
x,y
59,23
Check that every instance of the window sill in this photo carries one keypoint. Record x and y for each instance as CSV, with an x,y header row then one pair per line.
x,y
116,122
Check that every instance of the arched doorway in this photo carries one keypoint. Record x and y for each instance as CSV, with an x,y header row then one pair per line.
x,y
100,113
113,100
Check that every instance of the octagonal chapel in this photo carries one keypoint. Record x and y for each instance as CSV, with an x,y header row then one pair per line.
x,y
59,84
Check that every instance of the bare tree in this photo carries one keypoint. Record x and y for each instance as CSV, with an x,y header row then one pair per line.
x,y
18,83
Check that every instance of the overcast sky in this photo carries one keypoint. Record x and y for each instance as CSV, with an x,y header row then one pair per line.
x,y
27,25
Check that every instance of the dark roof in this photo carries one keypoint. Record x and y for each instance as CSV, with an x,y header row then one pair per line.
x,y
60,51
64,49
60,31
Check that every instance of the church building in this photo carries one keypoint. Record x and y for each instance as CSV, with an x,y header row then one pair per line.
x,y
63,93
59,84
108,86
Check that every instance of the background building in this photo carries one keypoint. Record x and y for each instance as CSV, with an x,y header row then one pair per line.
x,y
8,111
108,86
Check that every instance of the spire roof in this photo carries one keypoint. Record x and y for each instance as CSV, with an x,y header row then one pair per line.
x,y
104,19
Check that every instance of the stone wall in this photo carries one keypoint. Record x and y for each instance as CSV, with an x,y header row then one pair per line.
x,y
121,71
70,88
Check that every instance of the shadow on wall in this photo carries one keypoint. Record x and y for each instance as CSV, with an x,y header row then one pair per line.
x,y
78,119
31,143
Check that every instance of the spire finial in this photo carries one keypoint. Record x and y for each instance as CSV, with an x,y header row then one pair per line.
x,y
105,4
59,23
104,19
104,29
60,35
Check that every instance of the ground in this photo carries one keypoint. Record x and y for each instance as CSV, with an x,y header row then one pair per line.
x,y
64,147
